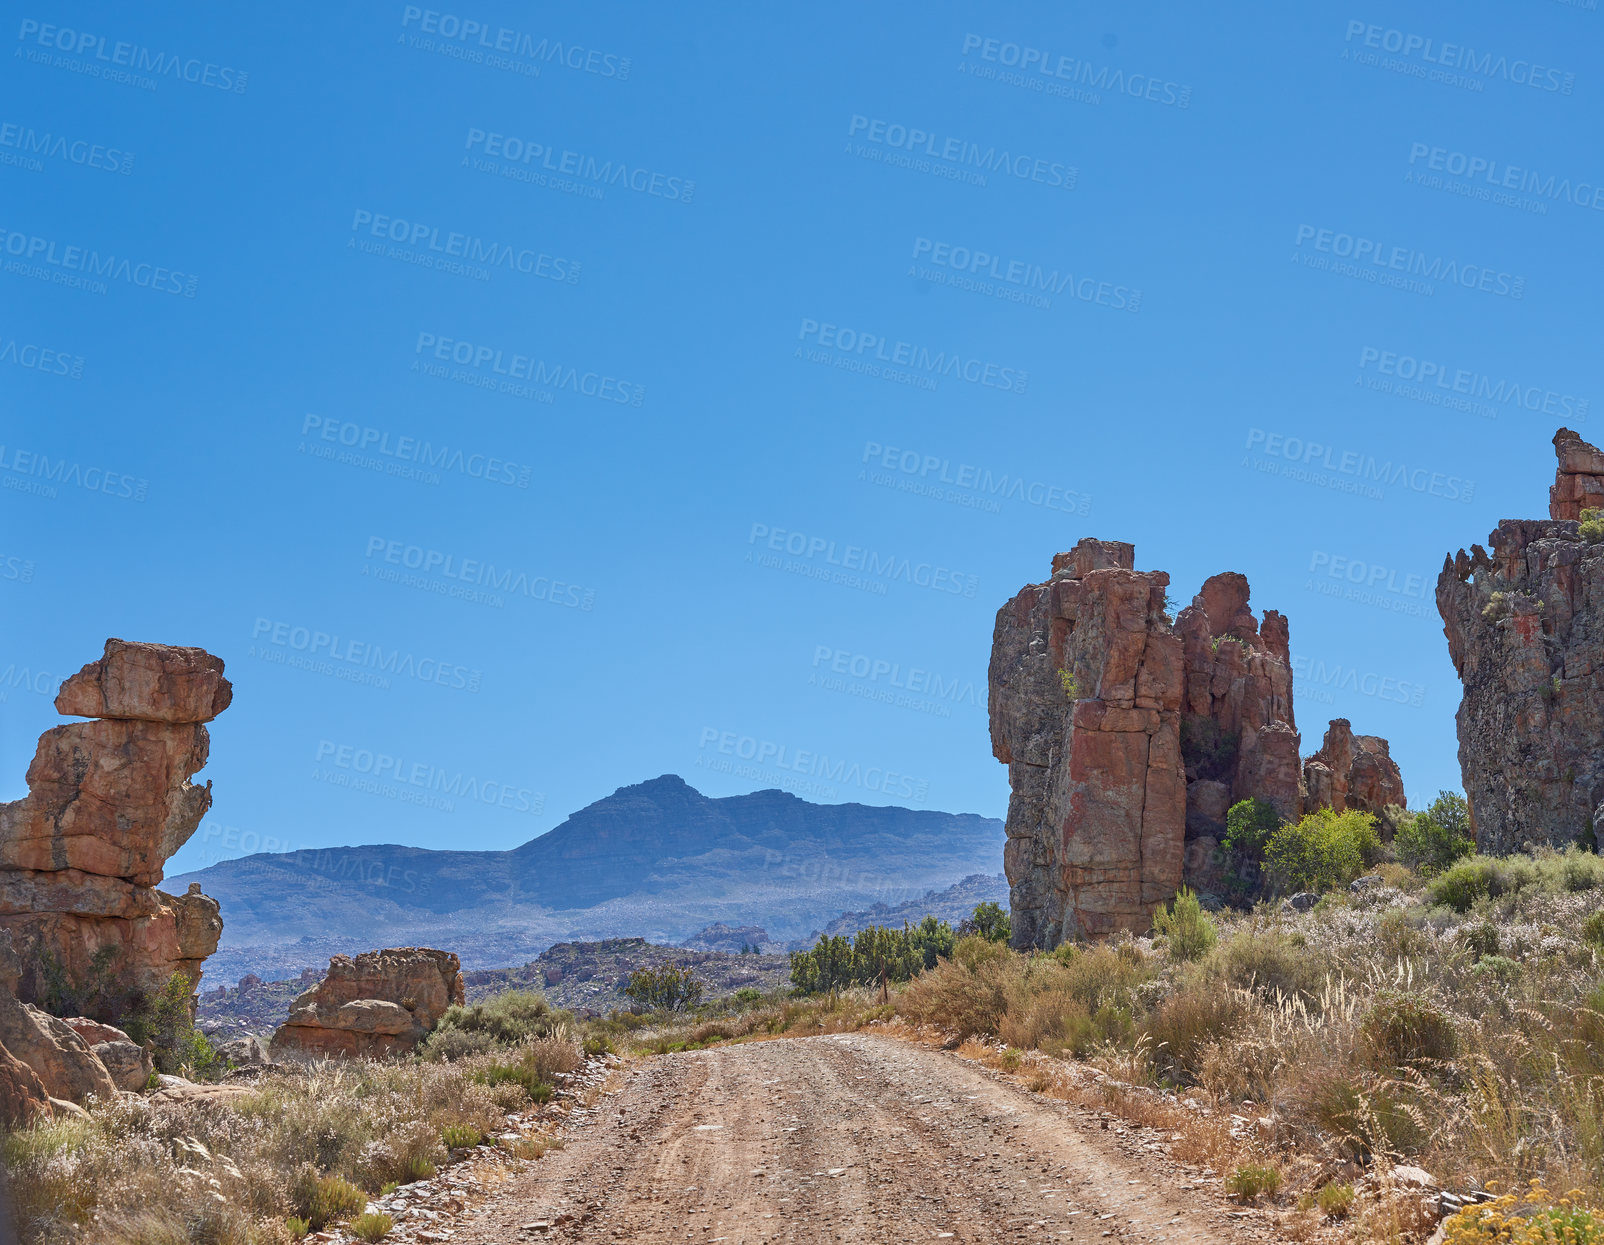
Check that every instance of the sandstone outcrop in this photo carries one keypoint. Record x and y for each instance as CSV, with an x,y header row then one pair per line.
x,y
1128,738
1525,628
381,1003
109,801
62,1061
1351,772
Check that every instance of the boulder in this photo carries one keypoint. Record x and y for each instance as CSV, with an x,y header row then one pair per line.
x,y
244,1052
128,1065
148,682
1525,630
109,801
61,1059
381,1003
1351,772
23,1098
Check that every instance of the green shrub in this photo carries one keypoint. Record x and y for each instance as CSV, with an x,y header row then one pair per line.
x,y
297,1228
460,1136
1592,526
1335,1200
1249,825
320,1199
1188,1021
1066,680
166,1021
836,962
371,1227
1249,1181
1272,963
671,988
417,1167
1187,930
501,1021
1431,841
990,922
1482,940
1363,1119
1481,877
600,1044
495,1074
1406,1031
1324,849
1593,930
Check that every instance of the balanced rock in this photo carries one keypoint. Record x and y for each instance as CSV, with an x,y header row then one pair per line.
x,y
381,1003
1525,628
109,801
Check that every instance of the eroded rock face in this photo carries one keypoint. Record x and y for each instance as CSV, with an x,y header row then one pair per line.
x,y
1128,739
1086,685
62,1061
381,1003
1525,628
1351,772
109,801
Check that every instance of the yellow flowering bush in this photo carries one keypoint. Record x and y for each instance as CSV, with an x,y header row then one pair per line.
x,y
1536,1218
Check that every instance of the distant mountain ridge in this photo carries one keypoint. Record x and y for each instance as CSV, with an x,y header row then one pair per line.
x,y
657,859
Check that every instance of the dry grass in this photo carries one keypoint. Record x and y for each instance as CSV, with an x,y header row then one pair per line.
x,y
138,1172
1385,1028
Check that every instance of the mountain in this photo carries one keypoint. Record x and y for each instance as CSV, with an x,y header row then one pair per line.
x,y
658,860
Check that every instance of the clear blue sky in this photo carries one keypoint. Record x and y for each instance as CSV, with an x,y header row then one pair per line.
x,y
756,285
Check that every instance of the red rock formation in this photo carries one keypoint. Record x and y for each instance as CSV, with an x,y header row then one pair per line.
x,y
1086,685
1127,740
381,1003
1579,479
1351,772
1525,629
108,802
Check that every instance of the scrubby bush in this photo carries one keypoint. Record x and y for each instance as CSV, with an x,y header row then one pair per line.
x,y
1250,1181
1272,963
497,1023
321,1199
1430,841
371,1227
1249,825
878,953
1187,1022
1407,1031
671,988
1592,525
989,921
1187,930
1322,850
1335,1200
1593,930
166,1023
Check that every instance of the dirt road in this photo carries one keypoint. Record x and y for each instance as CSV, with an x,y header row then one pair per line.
x,y
849,1137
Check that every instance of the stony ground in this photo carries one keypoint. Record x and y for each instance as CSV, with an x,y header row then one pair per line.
x,y
848,1137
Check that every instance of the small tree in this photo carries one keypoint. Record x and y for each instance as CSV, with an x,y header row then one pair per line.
x,y
165,1023
1249,825
1188,931
1322,850
990,922
1429,842
671,988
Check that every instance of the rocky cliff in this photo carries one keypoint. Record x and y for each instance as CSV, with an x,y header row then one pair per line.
x,y
109,800
1525,628
1128,737
380,1003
